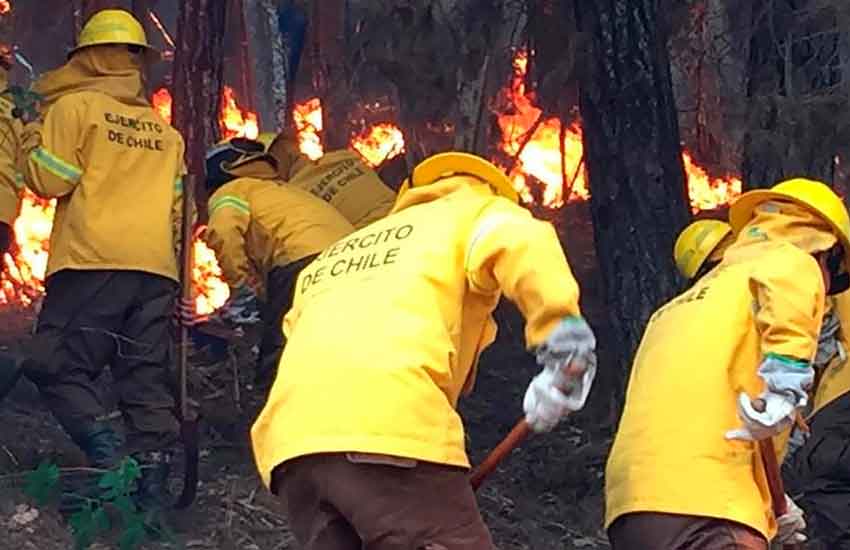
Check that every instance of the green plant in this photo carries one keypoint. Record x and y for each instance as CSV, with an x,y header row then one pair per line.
x,y
115,491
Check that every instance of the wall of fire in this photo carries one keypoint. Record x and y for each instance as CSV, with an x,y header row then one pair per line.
x,y
531,141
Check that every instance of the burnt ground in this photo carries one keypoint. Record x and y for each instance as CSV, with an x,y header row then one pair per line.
x,y
547,494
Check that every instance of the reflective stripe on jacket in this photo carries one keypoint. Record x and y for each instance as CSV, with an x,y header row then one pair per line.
x,y
116,171
256,225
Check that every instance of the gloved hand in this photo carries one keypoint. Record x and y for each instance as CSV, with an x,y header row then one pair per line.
x,y
569,366
791,524
572,341
787,381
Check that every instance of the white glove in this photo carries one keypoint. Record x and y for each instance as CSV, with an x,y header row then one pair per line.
x,y
778,415
572,341
791,524
563,385
787,381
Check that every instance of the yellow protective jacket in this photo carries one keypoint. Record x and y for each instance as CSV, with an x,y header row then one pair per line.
x,y
256,225
699,351
11,182
117,172
344,180
387,325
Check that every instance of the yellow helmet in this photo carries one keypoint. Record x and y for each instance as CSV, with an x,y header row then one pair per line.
x,y
447,164
813,195
697,243
113,27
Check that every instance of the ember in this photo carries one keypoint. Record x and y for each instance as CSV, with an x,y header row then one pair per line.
x,y
5,7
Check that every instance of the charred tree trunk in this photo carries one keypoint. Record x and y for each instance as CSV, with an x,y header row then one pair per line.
x,y
638,194
198,75
794,61
330,70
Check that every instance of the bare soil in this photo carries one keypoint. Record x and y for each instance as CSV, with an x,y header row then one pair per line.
x,y
546,495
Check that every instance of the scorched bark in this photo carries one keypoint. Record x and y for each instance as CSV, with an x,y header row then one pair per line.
x,y
198,73
638,192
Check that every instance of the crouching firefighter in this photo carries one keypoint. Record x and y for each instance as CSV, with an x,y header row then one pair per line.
x,y
263,235
340,178
360,434
114,166
10,187
684,471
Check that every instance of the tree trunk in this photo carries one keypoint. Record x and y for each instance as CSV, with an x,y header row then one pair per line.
x,y
198,80
638,193
270,72
330,71
794,57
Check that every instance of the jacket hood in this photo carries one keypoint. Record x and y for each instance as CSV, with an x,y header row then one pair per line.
x,y
779,221
111,70
261,167
438,190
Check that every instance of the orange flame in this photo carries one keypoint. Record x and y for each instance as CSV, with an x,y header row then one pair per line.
x,y
210,290
235,121
379,143
705,192
23,280
376,144
5,7
540,156
161,102
308,122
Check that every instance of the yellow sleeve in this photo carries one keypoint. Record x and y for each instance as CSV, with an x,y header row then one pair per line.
x,y
230,215
510,251
51,165
177,208
10,180
789,296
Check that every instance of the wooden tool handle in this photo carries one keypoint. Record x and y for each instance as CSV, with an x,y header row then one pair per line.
x,y
773,474
516,436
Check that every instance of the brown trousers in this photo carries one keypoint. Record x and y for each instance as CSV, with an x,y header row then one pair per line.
x,y
360,502
657,531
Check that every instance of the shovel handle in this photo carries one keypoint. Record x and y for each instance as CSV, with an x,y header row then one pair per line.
x,y
773,474
516,436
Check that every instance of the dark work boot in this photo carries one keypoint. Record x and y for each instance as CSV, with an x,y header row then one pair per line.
x,y
101,445
153,493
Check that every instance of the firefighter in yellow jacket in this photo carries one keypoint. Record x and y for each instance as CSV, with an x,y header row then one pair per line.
x,y
340,178
684,472
263,234
360,434
10,180
115,167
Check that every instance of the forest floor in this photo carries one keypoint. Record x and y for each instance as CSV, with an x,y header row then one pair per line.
x,y
547,494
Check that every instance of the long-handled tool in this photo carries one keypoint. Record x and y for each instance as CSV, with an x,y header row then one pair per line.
x,y
773,475
188,419
516,436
